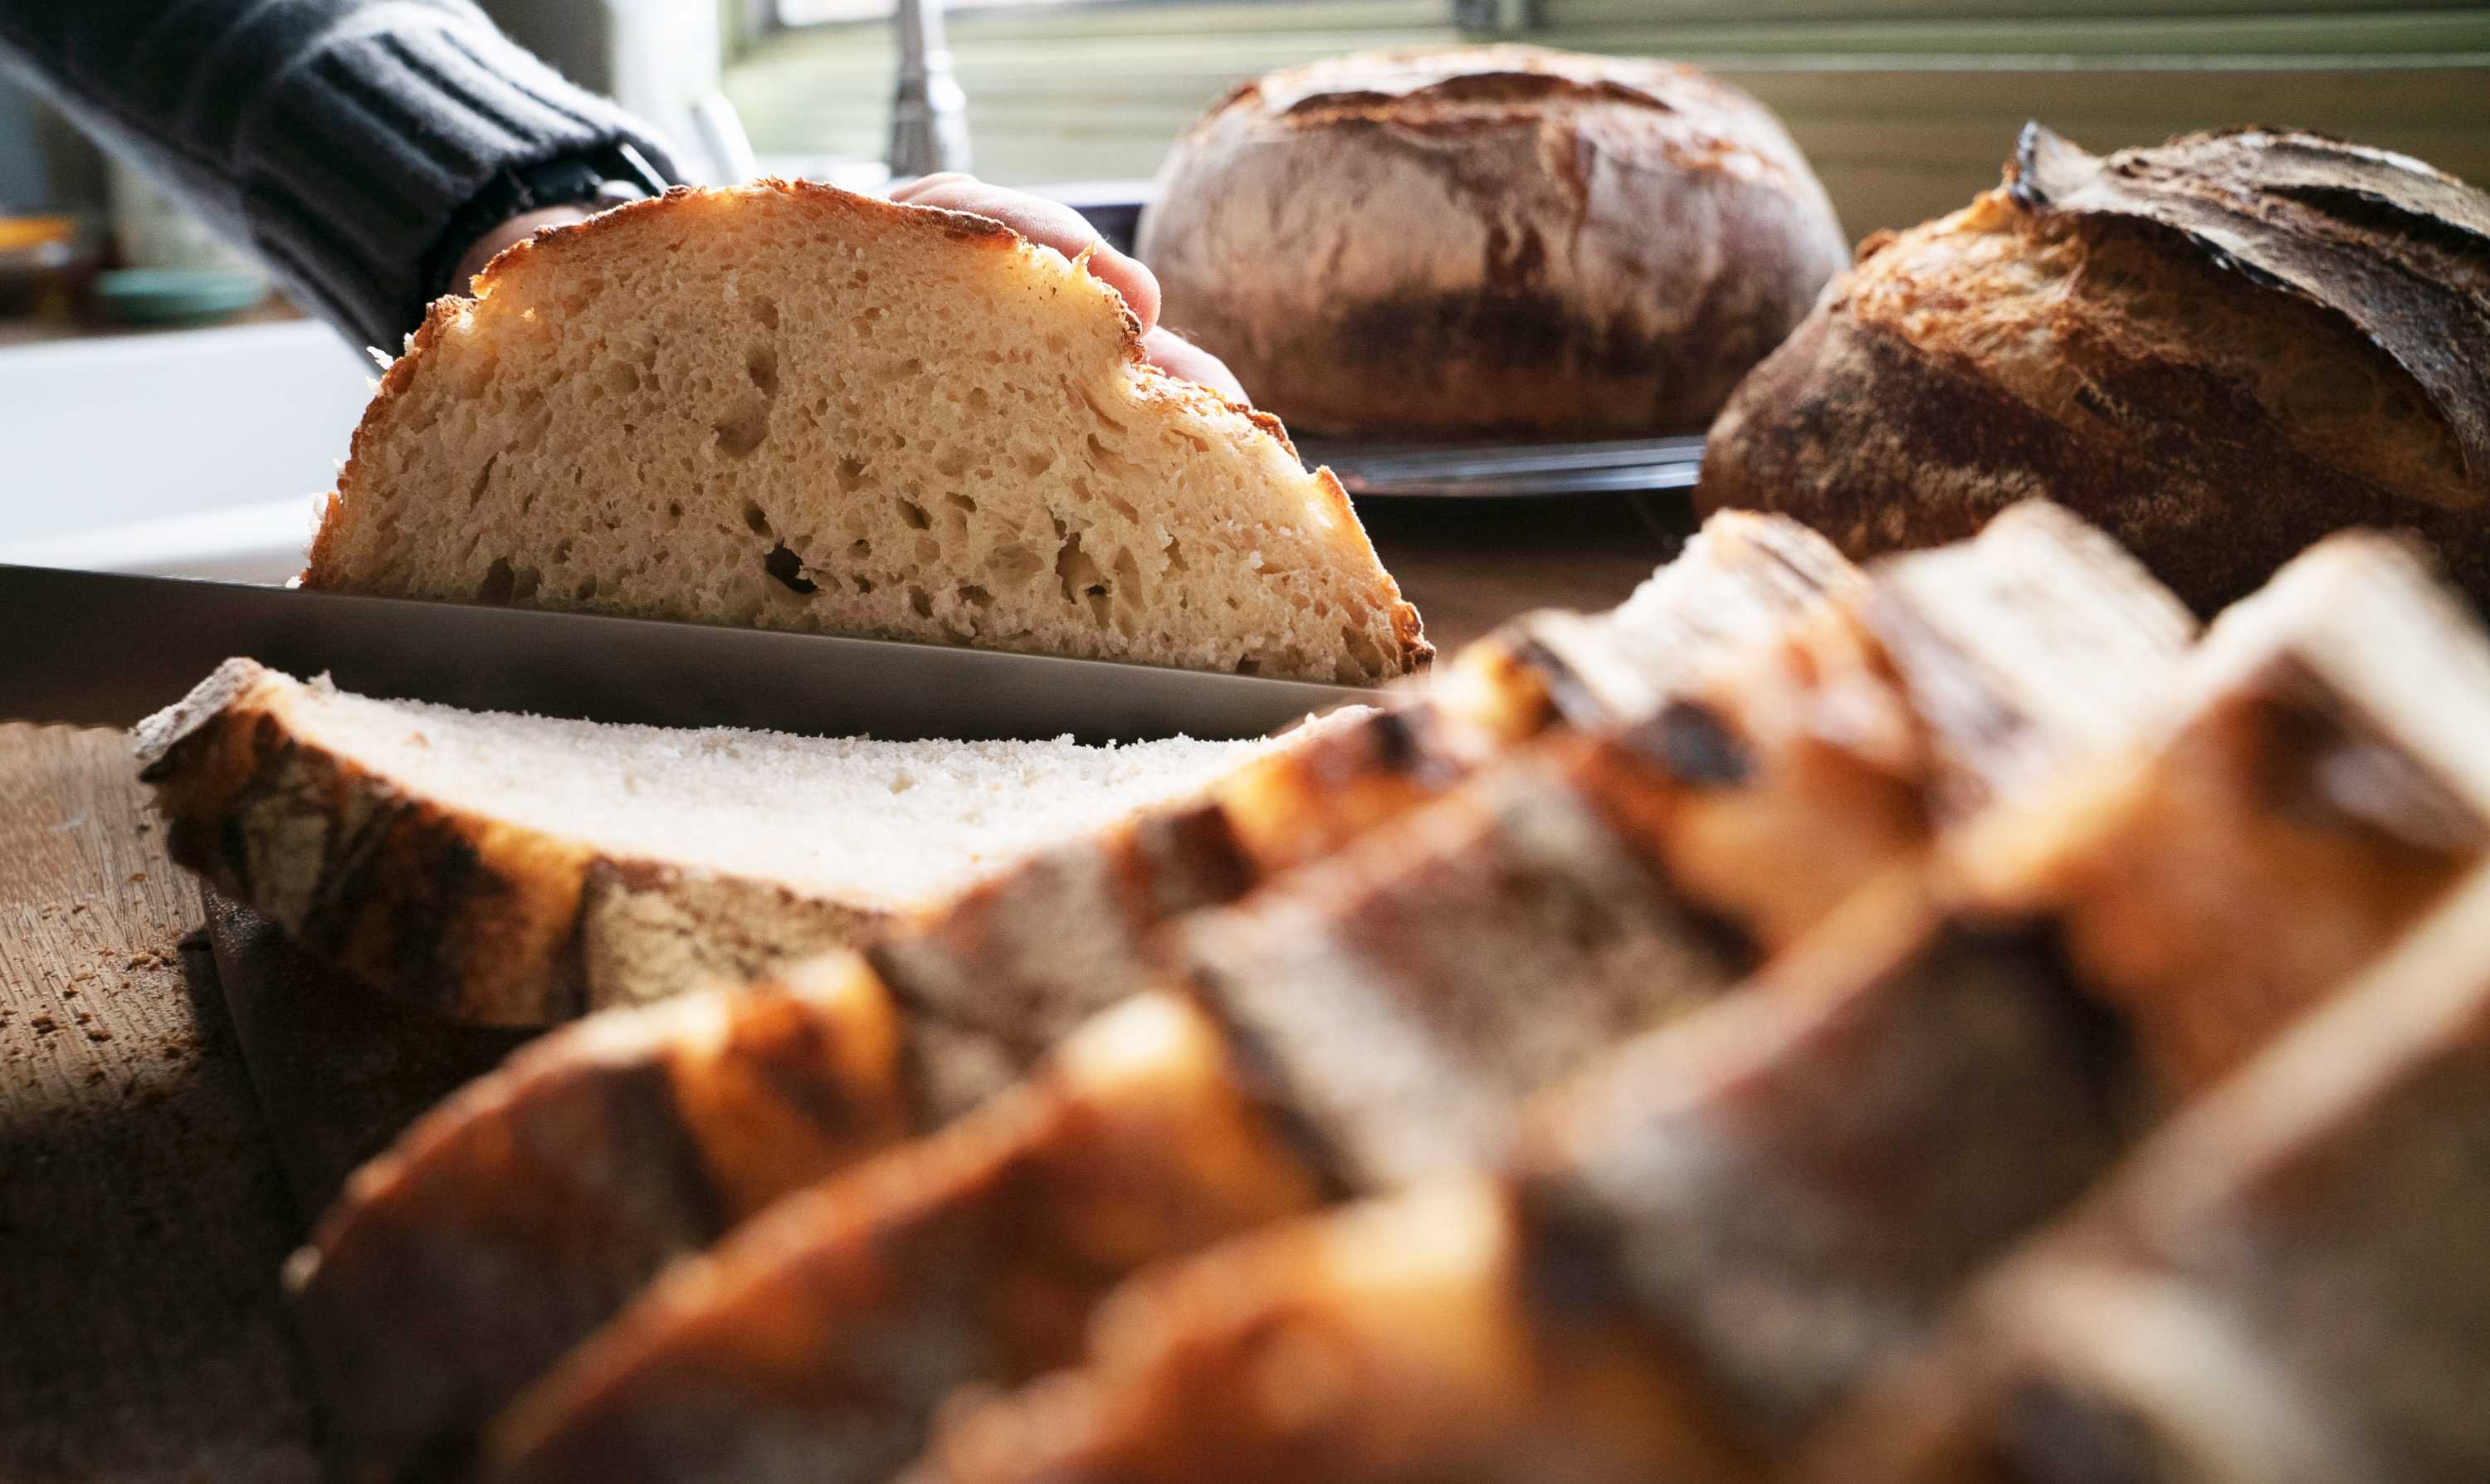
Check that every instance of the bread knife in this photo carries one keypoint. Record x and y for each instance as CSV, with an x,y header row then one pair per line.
x,y
101,649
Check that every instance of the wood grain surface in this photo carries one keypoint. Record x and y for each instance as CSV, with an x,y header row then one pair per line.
x,y
142,1219
147,1203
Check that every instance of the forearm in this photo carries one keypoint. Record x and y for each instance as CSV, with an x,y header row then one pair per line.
x,y
338,138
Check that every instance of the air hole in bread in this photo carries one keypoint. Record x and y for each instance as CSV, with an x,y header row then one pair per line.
x,y
789,568
963,504
1078,573
850,475
765,312
921,602
619,378
483,478
743,428
1251,664
1175,553
756,518
913,515
761,366
976,597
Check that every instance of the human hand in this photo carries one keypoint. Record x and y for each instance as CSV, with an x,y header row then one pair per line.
x,y
517,229
1067,232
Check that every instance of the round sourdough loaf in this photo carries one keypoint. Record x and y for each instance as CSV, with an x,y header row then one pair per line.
x,y
2219,349
1490,239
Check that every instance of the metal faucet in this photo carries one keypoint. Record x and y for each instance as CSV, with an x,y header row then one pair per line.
x,y
929,113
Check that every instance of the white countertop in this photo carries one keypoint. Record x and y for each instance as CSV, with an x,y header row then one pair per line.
x,y
195,453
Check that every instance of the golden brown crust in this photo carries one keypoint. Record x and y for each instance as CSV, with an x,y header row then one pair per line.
x,y
480,919
516,1216
1401,1339
814,1344
459,910
2218,350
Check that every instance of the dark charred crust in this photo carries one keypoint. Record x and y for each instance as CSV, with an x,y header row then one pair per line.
x,y
1267,1089
2320,762
1190,859
2047,1433
396,891
2367,241
413,1371
1696,744
1956,1088
2162,484
1672,383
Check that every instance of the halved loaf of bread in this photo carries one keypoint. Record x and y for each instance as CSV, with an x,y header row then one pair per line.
x,y
517,869
788,406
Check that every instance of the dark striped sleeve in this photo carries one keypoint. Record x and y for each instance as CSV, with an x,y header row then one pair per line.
x,y
337,137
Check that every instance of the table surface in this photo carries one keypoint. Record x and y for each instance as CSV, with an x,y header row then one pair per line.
x,y
143,1208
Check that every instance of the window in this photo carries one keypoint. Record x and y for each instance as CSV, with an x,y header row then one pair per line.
x,y
1907,107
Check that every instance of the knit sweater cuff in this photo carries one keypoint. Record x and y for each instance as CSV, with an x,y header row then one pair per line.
x,y
365,149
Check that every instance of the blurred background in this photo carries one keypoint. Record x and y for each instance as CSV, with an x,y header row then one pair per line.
x,y
186,425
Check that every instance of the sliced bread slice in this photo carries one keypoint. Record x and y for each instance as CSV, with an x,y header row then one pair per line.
x,y
788,406
516,870
2322,785
2285,1284
520,1213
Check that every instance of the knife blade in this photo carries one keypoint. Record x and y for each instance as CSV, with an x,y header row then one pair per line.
x,y
103,648
1457,468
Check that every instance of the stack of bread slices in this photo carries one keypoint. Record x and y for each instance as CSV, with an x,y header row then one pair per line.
x,y
1712,1039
